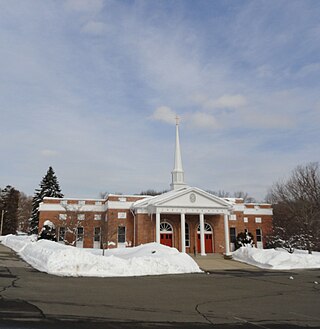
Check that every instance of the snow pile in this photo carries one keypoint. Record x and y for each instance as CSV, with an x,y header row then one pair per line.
x,y
277,259
58,259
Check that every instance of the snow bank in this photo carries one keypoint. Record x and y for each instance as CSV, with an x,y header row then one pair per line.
x,y
277,259
58,259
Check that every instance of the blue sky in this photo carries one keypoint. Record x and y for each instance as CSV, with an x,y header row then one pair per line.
x,y
91,87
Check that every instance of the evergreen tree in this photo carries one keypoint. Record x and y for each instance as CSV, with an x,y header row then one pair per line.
x,y
9,198
49,187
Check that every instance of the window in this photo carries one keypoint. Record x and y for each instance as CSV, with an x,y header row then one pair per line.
x,y
258,220
80,233
233,217
233,235
81,216
122,215
98,203
121,234
62,233
122,199
258,235
165,227
97,234
63,202
62,216
207,228
97,217
81,202
245,219
187,235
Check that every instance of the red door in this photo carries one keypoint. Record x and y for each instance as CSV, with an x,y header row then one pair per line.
x,y
207,243
166,239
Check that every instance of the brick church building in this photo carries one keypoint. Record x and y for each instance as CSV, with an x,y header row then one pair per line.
x,y
187,218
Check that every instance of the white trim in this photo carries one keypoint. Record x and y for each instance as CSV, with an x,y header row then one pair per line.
x,y
119,204
70,207
259,211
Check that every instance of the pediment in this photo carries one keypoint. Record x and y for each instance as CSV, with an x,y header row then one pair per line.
x,y
191,197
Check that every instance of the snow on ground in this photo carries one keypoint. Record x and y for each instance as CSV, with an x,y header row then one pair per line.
x,y
277,259
58,259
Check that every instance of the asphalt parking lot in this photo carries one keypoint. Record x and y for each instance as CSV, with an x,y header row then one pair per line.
x,y
236,298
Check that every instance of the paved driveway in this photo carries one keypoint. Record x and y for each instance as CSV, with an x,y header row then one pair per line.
x,y
238,298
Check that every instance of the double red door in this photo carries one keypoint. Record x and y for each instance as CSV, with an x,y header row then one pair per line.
x,y
166,239
207,243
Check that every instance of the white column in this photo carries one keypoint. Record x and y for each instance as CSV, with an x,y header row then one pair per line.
x,y
226,235
183,232
158,227
202,245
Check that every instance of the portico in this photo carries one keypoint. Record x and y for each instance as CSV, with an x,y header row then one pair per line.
x,y
191,208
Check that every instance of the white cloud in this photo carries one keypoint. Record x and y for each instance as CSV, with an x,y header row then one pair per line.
x,y
202,120
225,101
165,114
94,28
84,5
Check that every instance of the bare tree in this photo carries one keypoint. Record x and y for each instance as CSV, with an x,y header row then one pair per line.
x,y
296,204
24,212
74,227
245,196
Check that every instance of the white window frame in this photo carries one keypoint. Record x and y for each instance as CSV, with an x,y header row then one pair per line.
x,y
81,202
97,216
62,216
81,216
258,220
245,219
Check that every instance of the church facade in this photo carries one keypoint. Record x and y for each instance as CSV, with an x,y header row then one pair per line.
x,y
187,218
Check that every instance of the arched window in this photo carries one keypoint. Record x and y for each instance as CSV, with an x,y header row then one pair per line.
x,y
207,228
165,227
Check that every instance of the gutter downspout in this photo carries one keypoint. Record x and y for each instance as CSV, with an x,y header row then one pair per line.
x,y
134,227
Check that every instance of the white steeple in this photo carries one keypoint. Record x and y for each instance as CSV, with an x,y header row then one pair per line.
x,y
177,172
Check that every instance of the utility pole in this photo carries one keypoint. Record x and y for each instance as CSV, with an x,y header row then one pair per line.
x,y
2,215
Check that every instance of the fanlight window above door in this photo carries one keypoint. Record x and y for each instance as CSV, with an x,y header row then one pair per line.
x,y
165,227
207,228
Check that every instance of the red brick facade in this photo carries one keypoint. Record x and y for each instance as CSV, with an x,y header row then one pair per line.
x,y
111,220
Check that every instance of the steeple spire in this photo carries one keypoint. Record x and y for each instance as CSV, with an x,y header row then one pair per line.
x,y
177,173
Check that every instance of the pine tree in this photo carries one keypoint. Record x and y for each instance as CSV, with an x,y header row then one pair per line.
x,y
49,187
9,206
